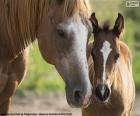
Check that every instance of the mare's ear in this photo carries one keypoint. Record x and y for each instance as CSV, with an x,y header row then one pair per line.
x,y
119,25
94,22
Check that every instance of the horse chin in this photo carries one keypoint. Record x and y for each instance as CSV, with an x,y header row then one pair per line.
x,y
73,105
85,104
87,101
103,102
79,106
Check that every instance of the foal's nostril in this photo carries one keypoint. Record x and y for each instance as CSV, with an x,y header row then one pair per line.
x,y
102,92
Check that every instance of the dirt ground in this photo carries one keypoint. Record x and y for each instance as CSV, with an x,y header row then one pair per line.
x,y
51,103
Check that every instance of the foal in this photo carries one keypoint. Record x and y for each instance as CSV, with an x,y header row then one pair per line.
x,y
110,72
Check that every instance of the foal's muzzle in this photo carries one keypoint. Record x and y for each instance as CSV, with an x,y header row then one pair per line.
x,y
102,92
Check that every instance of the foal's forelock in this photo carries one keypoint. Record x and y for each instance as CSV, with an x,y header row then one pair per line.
x,y
105,50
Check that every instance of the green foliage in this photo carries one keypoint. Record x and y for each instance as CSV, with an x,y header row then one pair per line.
x,y
136,71
133,39
129,38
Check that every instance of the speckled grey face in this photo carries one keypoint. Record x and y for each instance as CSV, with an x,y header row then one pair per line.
x,y
62,40
72,64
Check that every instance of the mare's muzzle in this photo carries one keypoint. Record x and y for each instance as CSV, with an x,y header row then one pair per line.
x,y
78,96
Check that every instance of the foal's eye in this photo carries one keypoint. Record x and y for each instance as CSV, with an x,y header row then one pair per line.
x,y
61,33
116,57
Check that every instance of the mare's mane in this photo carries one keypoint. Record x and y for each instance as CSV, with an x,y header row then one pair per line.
x,y
19,19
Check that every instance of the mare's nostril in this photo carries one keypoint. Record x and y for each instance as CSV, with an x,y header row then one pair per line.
x,y
102,92
78,96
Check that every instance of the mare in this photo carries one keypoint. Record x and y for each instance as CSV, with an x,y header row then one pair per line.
x,y
62,28
110,69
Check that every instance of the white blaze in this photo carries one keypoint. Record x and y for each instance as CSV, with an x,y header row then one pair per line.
x,y
105,51
103,91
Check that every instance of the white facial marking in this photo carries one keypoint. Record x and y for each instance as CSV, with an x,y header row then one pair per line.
x,y
77,53
81,33
103,91
105,51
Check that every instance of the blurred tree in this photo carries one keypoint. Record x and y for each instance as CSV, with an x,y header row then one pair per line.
x,y
133,15
133,39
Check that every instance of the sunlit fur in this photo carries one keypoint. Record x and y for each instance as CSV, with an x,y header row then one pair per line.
x,y
123,89
21,18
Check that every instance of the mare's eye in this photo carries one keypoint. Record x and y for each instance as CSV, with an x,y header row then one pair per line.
x,y
61,33
116,57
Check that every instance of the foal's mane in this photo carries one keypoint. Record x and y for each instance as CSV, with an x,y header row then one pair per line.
x,y
19,19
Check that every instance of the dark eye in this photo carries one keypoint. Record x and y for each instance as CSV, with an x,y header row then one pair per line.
x,y
61,33
116,57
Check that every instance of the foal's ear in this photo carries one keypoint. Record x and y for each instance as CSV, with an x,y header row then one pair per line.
x,y
94,22
119,25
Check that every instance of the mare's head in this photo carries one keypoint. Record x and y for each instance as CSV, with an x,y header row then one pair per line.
x,y
62,38
105,54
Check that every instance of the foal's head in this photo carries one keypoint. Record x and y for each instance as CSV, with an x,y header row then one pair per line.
x,y
105,55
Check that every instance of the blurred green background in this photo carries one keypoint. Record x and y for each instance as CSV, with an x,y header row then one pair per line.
x,y
44,78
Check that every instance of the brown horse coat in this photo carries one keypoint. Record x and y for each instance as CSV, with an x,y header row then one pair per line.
x,y
122,88
22,22
123,95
